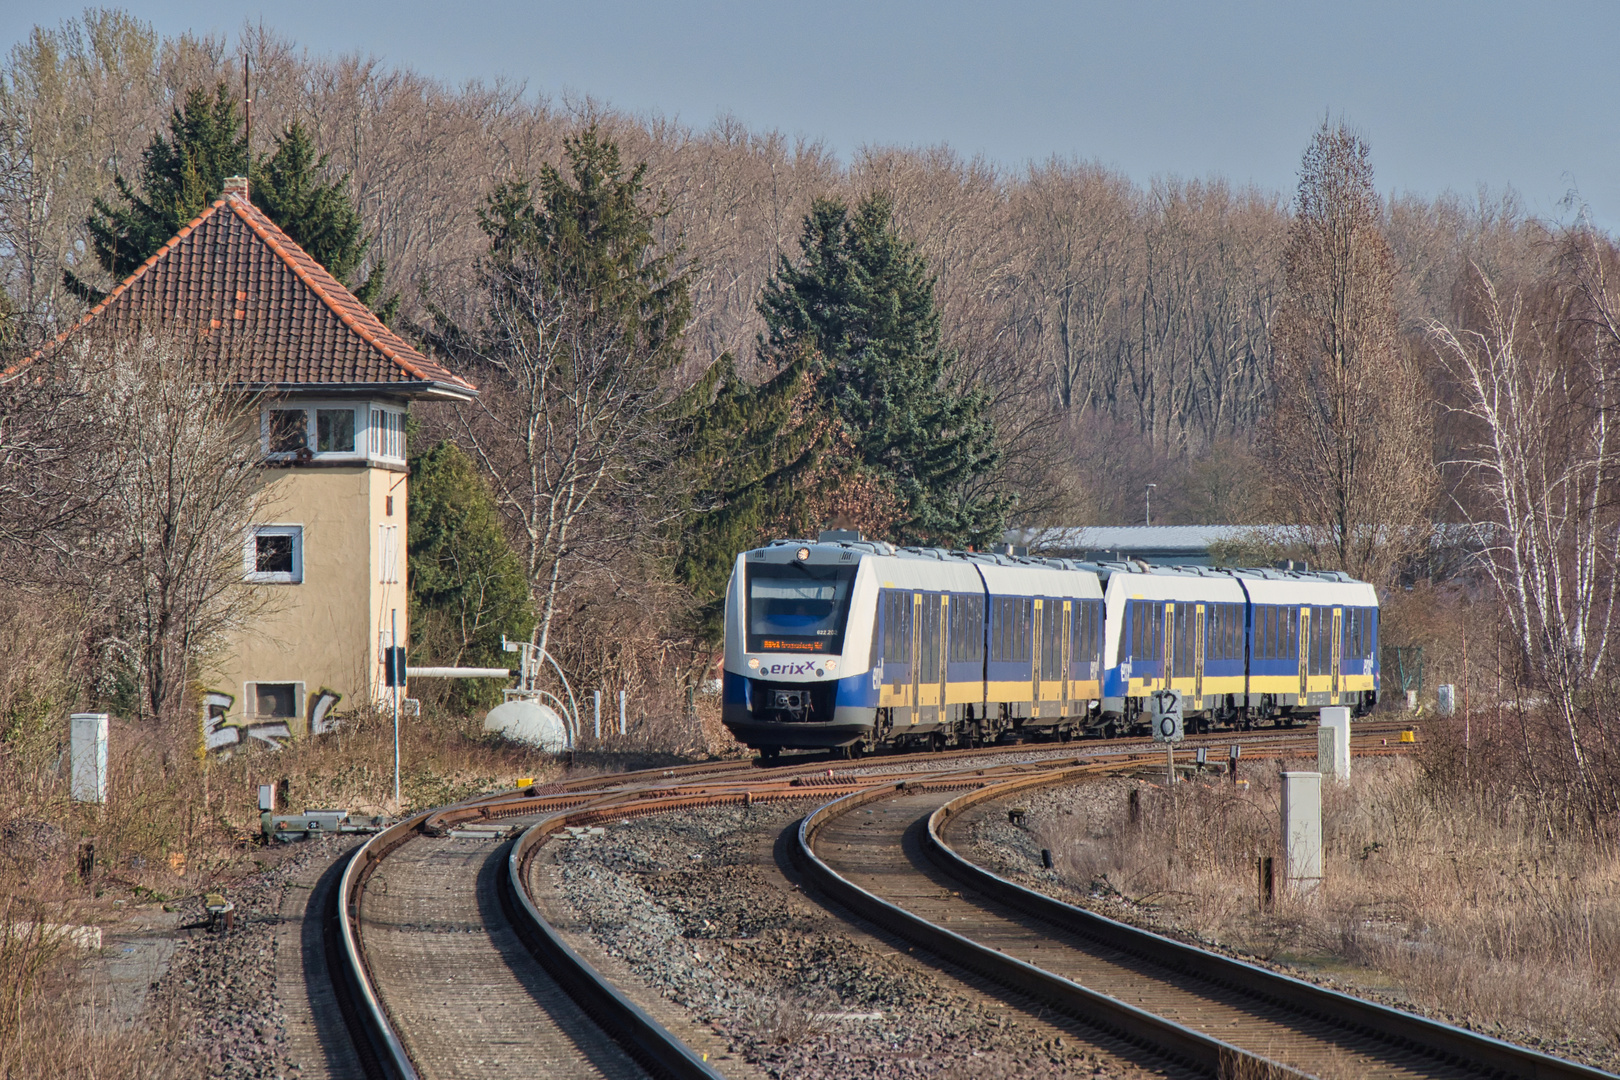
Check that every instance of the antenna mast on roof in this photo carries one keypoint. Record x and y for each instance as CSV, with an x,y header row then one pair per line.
x,y
247,106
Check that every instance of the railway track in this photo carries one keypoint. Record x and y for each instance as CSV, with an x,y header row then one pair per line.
x,y
451,970
882,853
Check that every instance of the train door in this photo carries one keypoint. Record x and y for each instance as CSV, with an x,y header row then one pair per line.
x,y
1167,660
1035,660
1064,654
916,656
1198,656
1333,644
1304,653
944,654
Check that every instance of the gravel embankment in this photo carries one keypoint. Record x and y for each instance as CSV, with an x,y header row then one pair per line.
x,y
697,908
222,985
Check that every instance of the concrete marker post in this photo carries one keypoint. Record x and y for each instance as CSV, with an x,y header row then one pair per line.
x,y
89,757
1333,743
1302,830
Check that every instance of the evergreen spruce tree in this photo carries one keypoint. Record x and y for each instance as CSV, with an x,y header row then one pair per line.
x,y
286,185
468,588
862,297
184,172
180,176
744,450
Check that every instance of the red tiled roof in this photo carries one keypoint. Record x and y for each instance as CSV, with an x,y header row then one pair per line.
x,y
260,303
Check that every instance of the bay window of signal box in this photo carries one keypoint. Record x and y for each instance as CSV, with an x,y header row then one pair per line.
x,y
333,431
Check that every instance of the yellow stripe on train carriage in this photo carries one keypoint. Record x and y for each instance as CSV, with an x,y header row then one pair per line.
x,y
1008,691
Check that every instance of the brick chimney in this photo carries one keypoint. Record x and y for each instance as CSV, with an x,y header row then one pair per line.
x,y
236,185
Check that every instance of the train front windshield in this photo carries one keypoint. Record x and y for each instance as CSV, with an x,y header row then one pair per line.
x,y
796,607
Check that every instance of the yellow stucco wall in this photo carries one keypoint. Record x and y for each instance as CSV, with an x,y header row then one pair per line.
x,y
323,631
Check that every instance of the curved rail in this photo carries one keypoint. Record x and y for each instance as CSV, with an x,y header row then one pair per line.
x,y
648,1041
374,1034
1110,1014
1442,1040
615,796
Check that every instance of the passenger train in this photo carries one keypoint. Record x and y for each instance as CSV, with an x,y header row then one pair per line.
x,y
847,644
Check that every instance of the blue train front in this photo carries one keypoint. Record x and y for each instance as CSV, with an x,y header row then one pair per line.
x,y
797,673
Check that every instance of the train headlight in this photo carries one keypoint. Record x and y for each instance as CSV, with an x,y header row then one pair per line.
x,y
753,662
803,554
832,665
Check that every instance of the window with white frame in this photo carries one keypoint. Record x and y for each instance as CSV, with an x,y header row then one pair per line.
x,y
334,431
316,430
274,554
286,431
388,554
387,430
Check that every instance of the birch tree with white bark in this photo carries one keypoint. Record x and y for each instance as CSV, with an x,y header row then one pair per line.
x,y
1538,382
580,340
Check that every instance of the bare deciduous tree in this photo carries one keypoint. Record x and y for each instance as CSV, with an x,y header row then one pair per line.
x,y
1537,379
1349,423
157,466
582,332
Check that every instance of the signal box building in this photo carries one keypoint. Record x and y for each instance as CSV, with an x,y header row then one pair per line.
x,y
335,385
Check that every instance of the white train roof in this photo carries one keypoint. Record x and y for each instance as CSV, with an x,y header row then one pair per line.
x,y
1300,590
1214,589
939,570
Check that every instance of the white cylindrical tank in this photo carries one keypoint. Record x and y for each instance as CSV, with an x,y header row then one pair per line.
x,y
530,722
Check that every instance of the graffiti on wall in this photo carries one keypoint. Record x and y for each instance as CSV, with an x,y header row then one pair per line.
x,y
222,731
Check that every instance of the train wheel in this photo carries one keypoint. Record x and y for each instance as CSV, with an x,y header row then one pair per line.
x,y
936,741
853,751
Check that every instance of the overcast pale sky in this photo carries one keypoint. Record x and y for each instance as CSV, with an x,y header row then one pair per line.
x,y
1449,94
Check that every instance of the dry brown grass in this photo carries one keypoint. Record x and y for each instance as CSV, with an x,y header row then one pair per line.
x,y
1470,898
175,826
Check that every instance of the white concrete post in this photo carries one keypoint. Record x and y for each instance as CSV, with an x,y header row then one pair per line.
x,y
596,699
1447,694
621,712
89,741
1302,830
1333,743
